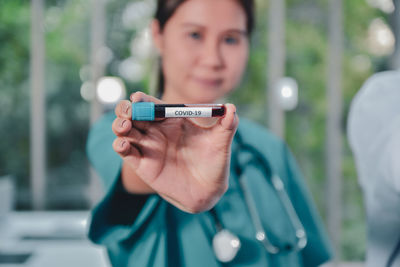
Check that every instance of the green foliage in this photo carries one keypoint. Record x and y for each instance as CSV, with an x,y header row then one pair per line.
x,y
305,126
67,50
66,112
14,94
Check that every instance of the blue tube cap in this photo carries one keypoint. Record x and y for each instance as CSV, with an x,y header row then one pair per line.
x,y
143,111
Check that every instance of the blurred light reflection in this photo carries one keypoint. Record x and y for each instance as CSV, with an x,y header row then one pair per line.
x,y
386,6
87,91
287,90
110,90
138,14
131,70
84,73
142,45
104,56
381,39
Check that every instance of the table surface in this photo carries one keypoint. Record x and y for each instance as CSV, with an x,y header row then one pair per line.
x,y
48,238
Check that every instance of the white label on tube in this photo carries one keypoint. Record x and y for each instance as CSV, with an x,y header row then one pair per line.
x,y
188,112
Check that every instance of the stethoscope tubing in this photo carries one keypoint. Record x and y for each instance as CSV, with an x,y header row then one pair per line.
x,y
278,185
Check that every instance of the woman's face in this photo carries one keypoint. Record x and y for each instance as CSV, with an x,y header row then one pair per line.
x,y
204,50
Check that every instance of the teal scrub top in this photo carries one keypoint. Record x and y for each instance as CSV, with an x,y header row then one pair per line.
x,y
142,230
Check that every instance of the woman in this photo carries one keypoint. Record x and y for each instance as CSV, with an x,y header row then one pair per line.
x,y
194,192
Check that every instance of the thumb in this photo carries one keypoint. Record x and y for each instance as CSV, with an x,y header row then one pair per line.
x,y
230,121
142,97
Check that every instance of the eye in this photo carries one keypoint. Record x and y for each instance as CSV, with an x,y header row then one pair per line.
x,y
195,35
231,40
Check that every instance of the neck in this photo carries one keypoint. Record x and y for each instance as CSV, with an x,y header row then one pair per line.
x,y
172,98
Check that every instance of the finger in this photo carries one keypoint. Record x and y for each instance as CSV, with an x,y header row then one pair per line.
x,y
121,145
124,109
135,136
121,126
142,126
142,97
127,151
231,120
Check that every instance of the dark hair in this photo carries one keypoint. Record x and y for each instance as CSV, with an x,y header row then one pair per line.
x,y
165,10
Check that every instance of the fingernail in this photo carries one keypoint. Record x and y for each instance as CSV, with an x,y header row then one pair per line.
x,y
122,143
132,96
126,109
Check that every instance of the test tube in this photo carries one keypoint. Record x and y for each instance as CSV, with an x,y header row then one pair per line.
x,y
149,111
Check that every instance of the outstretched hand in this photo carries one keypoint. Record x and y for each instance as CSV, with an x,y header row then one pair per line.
x,y
185,163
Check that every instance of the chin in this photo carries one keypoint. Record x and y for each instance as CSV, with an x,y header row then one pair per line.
x,y
208,96
205,99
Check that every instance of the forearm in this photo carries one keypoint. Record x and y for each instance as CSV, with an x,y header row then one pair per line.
x,y
133,183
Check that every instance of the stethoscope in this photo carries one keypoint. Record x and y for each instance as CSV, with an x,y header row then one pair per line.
x,y
395,253
226,244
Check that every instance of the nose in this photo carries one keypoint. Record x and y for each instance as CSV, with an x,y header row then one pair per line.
x,y
212,55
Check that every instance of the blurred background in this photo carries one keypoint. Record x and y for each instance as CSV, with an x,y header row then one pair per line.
x,y
64,63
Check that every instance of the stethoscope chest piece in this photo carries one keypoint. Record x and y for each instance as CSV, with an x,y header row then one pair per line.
x,y
226,245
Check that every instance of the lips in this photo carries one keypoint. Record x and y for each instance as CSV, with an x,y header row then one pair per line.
x,y
208,82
